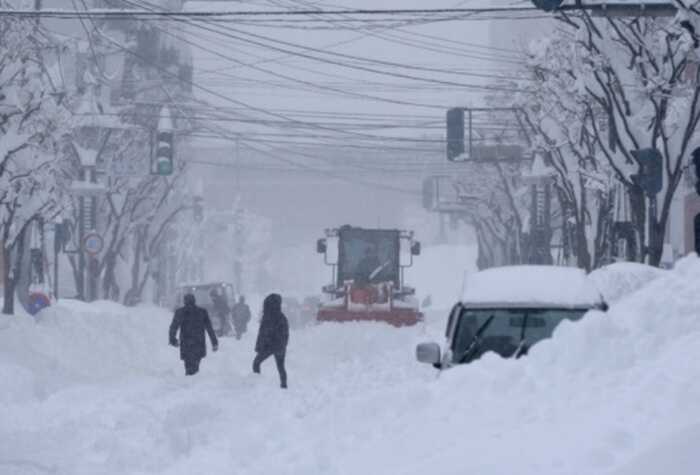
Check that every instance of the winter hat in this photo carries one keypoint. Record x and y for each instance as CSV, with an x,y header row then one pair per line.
x,y
272,304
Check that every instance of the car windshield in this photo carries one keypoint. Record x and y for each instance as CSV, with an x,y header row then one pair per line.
x,y
368,256
505,331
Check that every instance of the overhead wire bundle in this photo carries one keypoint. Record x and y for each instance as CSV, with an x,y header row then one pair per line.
x,y
328,130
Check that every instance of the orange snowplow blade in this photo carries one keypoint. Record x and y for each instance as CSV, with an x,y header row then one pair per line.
x,y
396,317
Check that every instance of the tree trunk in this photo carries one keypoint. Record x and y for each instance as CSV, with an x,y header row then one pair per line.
x,y
603,237
110,287
656,241
13,272
133,295
8,307
639,213
583,256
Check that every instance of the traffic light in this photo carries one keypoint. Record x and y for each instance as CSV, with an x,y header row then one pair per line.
x,y
650,177
547,5
164,153
455,133
696,163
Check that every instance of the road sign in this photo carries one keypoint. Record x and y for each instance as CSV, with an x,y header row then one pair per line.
x,y
93,243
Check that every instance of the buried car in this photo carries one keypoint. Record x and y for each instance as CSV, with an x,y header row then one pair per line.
x,y
509,309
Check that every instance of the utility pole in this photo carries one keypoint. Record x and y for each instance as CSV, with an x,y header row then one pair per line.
x,y
93,263
81,238
58,239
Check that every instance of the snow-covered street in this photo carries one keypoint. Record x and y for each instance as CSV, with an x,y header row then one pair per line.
x,y
463,237
94,389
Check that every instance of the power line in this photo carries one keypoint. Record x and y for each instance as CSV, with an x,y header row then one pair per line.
x,y
208,15
225,31
351,66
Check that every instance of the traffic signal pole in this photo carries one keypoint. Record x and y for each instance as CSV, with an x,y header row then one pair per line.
x,y
81,236
653,213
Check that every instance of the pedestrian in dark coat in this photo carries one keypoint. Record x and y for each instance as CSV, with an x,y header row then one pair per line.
x,y
241,317
221,311
192,321
273,336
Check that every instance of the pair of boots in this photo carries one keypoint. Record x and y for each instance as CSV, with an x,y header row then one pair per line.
x,y
283,384
279,360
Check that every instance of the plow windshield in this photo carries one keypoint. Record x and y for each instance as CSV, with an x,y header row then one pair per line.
x,y
368,256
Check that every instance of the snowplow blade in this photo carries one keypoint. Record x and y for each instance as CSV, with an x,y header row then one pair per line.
x,y
395,317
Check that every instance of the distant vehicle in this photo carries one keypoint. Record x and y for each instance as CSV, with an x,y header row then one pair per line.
x,y
202,293
507,310
367,278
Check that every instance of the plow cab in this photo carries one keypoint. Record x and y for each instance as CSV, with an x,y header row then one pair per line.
x,y
367,276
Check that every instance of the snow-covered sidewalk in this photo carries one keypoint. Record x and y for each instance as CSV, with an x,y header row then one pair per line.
x,y
94,389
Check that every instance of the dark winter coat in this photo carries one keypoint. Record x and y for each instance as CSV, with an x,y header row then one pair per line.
x,y
192,322
274,328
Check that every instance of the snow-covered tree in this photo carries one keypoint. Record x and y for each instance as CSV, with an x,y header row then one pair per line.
x,y
226,245
32,121
496,207
555,112
606,87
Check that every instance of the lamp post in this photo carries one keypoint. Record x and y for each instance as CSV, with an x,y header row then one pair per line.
x,y
539,179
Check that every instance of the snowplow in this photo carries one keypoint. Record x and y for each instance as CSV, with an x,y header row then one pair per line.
x,y
367,276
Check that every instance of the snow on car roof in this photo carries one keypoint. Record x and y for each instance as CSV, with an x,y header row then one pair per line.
x,y
531,285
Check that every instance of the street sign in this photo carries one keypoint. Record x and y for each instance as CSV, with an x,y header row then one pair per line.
x,y
93,243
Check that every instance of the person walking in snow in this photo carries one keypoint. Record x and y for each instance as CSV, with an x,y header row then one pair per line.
x,y
241,317
221,311
192,321
273,336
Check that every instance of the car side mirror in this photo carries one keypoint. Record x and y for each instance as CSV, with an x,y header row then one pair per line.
x,y
429,353
321,246
415,248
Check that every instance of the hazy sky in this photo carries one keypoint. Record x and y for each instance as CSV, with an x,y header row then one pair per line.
x,y
333,125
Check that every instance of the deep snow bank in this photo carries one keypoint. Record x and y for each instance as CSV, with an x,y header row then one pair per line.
x,y
75,342
602,394
609,394
618,280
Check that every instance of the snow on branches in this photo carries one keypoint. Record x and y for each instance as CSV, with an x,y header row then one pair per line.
x,y
32,120
601,88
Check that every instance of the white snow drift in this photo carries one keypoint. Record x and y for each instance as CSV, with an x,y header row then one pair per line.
x,y
95,390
